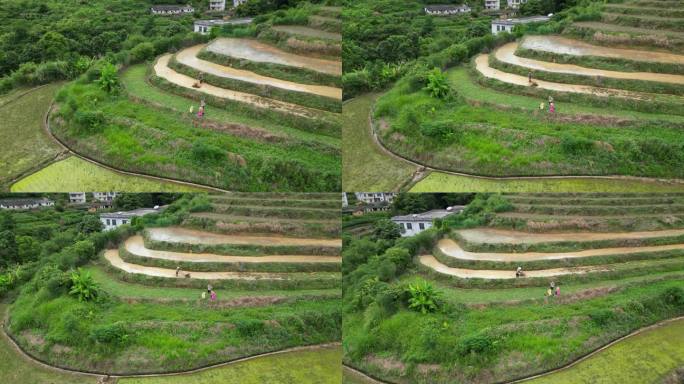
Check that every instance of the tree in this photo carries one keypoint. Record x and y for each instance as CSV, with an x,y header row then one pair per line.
x,y
28,248
90,224
109,78
6,221
83,286
8,248
142,52
386,229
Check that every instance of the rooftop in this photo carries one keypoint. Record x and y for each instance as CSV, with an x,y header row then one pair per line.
x,y
430,215
22,201
445,7
215,22
522,20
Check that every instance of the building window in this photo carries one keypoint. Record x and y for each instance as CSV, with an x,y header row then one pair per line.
x,y
108,222
409,226
421,226
124,222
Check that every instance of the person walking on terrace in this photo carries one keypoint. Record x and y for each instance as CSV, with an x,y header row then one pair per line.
x,y
552,108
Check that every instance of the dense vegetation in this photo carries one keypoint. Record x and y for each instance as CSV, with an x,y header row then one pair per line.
x,y
44,41
382,40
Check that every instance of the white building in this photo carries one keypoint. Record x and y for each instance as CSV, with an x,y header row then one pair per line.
x,y
375,197
345,201
507,25
236,3
515,4
217,5
204,26
77,198
113,220
104,196
446,10
493,5
27,203
416,223
171,10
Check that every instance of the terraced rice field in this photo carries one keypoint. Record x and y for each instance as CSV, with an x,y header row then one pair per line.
x,y
275,291
261,100
494,252
187,255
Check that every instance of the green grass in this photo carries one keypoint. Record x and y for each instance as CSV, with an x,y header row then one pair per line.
x,y
149,337
474,296
25,145
443,182
14,368
301,367
512,340
365,166
73,174
641,359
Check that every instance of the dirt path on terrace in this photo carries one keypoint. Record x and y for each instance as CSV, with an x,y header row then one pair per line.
x,y
453,249
136,246
431,262
621,28
112,255
254,50
309,32
161,69
191,236
228,217
498,236
188,57
482,65
506,54
564,46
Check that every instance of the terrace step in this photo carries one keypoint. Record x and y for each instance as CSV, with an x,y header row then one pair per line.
x,y
136,246
112,255
304,203
451,248
506,54
616,210
591,201
298,30
188,57
190,236
281,212
505,236
256,51
434,264
163,71
483,67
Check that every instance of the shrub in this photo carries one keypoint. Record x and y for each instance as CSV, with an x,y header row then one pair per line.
x,y
109,78
437,84
602,317
442,131
674,296
249,327
83,286
481,344
142,52
576,145
114,334
423,297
